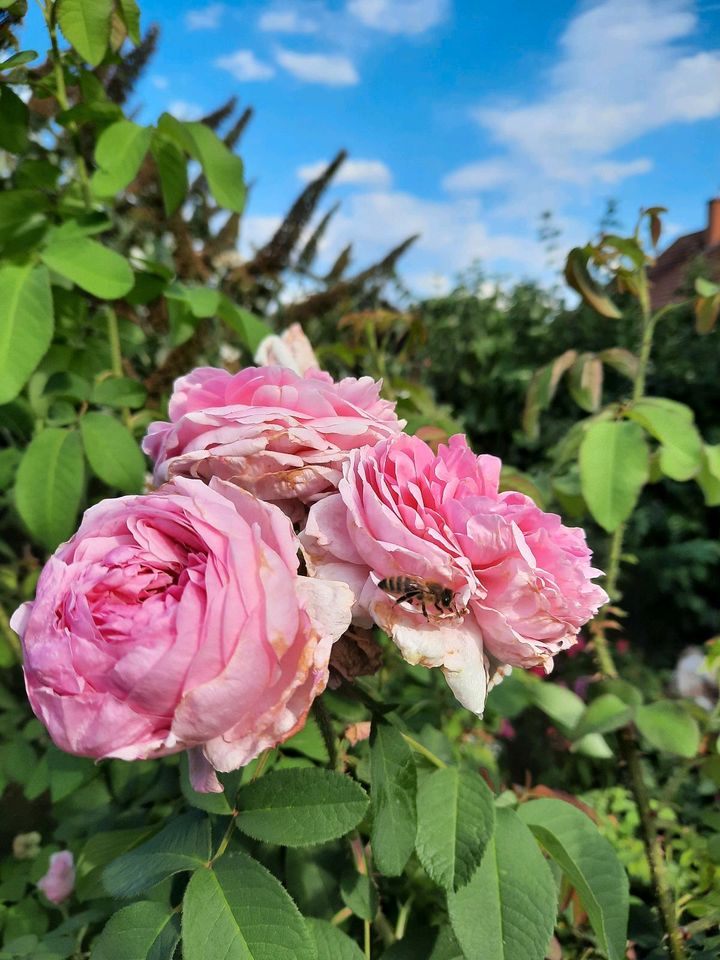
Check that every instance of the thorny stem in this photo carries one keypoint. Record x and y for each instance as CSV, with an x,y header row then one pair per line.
x,y
62,98
324,722
628,743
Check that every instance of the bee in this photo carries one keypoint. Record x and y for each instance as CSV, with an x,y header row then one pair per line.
x,y
426,592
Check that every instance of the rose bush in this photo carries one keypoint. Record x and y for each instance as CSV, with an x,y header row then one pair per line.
x,y
282,436
177,620
521,581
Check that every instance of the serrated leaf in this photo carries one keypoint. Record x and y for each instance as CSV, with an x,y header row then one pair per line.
x,y
19,59
673,425
184,844
392,799
591,865
14,118
578,277
119,153
49,485
86,25
119,392
456,817
146,930
239,911
585,382
563,706
223,169
130,14
112,452
668,726
359,893
26,324
605,714
99,850
172,170
614,466
90,265
507,911
251,329
331,943
300,807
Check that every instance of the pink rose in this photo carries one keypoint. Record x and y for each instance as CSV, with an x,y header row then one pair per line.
x,y
178,620
282,436
518,583
59,881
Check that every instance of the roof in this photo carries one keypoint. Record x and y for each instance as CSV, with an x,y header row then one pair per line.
x,y
668,275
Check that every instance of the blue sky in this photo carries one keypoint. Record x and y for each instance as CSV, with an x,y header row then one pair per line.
x,y
464,119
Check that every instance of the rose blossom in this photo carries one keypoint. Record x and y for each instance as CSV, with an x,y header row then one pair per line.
x,y
177,620
520,580
59,881
282,436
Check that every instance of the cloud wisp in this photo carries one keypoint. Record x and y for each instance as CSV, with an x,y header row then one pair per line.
x,y
245,66
369,173
328,69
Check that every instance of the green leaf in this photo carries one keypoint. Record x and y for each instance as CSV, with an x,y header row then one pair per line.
x,y
90,265
184,844
26,324
239,911
19,59
706,288
456,818
591,865
508,910
392,799
112,452
223,169
359,893
579,278
49,485
672,424
99,850
86,25
146,930
606,713
331,943
251,329
708,478
614,465
668,726
119,392
14,117
172,168
585,382
119,154
300,807
592,745
560,704
542,389
17,206
202,301
130,15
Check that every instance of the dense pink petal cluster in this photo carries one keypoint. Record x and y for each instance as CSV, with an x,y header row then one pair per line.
x,y
59,881
178,620
282,436
520,580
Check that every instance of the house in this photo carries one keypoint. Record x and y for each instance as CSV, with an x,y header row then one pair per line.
x,y
668,277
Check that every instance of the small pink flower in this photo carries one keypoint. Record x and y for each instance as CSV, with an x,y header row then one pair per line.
x,y
59,881
282,436
520,581
177,620
507,730
291,349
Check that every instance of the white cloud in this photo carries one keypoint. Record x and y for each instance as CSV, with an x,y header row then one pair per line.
x,y
286,21
183,110
625,70
369,173
244,66
479,177
330,69
399,16
205,18
452,233
612,171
